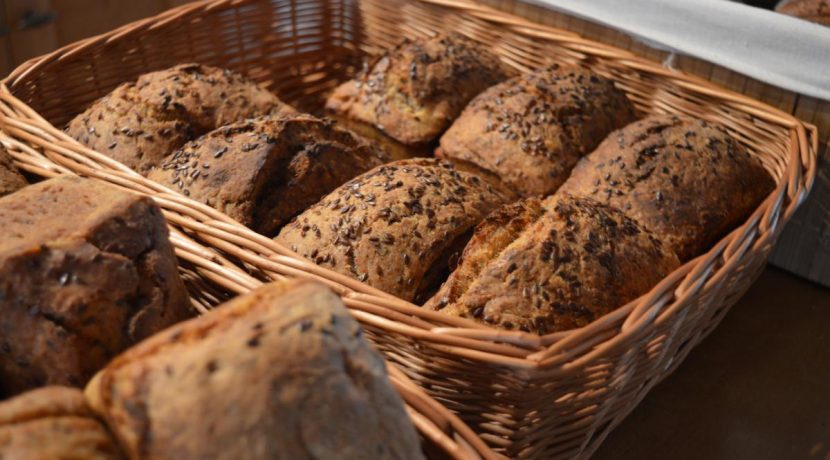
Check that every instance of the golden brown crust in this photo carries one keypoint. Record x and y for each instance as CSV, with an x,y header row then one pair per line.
x,y
390,226
686,180
281,372
140,123
552,265
532,129
53,423
263,172
414,91
812,10
87,270
10,178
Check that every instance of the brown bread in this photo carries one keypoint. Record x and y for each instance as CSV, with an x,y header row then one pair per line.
x,y
10,178
686,180
263,172
86,270
395,226
142,122
281,372
414,91
531,130
552,265
53,423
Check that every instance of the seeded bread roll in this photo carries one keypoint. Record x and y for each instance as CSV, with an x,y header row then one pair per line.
x,y
553,265
10,178
414,91
395,226
86,270
140,123
817,11
263,172
532,129
686,180
281,372
53,423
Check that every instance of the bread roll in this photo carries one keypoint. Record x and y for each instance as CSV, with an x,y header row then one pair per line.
x,y
552,265
53,423
395,226
142,122
87,270
532,129
686,180
414,91
10,178
281,372
263,172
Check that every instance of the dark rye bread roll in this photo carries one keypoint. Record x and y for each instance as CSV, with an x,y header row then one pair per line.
x,y
395,226
10,178
552,265
686,180
414,91
262,172
140,123
281,372
531,130
53,423
86,270
817,11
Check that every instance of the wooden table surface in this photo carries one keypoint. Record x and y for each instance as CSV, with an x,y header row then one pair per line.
x,y
757,388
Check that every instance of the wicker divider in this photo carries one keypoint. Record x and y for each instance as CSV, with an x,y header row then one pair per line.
x,y
554,396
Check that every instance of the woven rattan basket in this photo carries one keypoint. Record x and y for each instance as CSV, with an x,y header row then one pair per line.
x,y
527,396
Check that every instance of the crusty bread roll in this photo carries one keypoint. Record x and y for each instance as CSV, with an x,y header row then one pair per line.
x,y
395,226
142,122
414,91
281,372
264,171
87,270
686,180
532,129
53,423
550,265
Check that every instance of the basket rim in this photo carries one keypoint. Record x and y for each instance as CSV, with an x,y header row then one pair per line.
x,y
462,337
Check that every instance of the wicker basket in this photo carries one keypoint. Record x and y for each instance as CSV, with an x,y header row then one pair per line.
x,y
532,397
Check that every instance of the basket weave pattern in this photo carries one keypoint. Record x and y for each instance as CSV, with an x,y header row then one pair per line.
x,y
527,396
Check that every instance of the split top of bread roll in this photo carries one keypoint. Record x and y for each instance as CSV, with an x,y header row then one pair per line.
x,y
87,270
395,226
264,171
281,372
141,122
532,129
53,423
551,265
414,91
686,180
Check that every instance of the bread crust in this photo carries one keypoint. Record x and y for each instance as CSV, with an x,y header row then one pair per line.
x,y
10,178
415,90
686,180
280,372
87,270
391,225
551,265
53,423
140,123
531,130
263,172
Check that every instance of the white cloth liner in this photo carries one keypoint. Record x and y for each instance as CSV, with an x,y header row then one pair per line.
x,y
780,50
